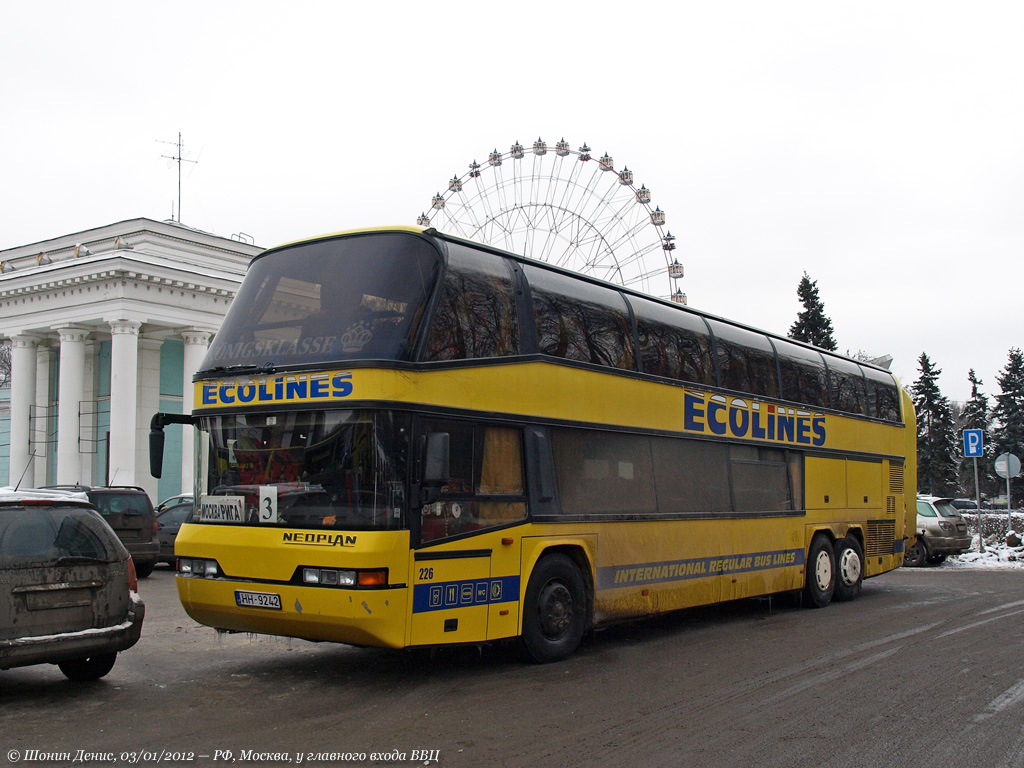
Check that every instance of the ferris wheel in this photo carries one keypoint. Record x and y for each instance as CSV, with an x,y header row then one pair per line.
x,y
564,207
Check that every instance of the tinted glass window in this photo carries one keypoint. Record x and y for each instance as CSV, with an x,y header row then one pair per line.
x,y
119,503
803,375
883,395
924,509
746,360
33,535
603,473
760,479
621,475
485,486
692,476
673,343
475,315
577,320
847,384
348,298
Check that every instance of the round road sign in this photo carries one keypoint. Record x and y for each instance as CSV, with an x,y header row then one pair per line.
x,y
1007,465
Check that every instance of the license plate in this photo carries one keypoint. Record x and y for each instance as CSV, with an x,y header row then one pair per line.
x,y
961,527
258,600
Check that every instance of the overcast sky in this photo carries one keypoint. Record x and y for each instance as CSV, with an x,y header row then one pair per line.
x,y
878,146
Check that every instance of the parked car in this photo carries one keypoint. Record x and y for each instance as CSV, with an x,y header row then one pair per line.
x,y
128,510
173,501
969,504
68,588
168,523
941,532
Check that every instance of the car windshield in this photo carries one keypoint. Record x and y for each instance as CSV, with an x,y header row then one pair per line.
x,y
305,469
946,509
33,535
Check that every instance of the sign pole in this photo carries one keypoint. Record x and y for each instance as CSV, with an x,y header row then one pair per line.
x,y
977,503
974,447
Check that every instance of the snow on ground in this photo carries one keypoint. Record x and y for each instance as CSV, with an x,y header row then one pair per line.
x,y
996,555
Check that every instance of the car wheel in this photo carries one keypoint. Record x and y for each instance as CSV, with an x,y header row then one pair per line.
x,y
86,670
821,572
849,567
916,554
555,609
144,571
936,559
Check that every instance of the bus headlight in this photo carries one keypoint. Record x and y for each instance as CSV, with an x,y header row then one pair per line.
x,y
328,577
197,566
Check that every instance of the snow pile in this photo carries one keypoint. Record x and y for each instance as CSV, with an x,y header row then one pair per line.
x,y
996,555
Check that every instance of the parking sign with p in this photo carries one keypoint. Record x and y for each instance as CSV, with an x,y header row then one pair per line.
x,y
972,444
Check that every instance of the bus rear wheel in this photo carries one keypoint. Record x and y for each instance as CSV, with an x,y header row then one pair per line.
x,y
555,609
849,569
821,572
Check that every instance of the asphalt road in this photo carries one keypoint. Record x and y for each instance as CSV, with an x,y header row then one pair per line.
x,y
925,668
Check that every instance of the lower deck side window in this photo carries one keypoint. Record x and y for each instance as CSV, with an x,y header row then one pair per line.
x,y
624,475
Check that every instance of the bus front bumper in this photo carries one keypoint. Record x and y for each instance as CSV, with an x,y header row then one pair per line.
x,y
374,617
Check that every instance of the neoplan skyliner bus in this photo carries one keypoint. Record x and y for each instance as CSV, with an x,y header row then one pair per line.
x,y
409,439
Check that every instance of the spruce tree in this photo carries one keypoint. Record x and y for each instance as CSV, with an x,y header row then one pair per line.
x,y
1009,413
936,440
976,414
812,324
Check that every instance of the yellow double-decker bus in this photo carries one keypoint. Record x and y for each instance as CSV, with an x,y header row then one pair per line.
x,y
409,439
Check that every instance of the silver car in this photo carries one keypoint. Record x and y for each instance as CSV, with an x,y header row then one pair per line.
x,y
941,532
68,587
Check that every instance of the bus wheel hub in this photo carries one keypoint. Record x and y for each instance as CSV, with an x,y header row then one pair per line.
x,y
555,609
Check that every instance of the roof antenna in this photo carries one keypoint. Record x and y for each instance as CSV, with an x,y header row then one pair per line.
x,y
177,158
31,456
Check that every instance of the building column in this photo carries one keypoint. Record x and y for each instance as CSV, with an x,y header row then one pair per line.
x,y
41,424
124,374
148,404
196,344
70,393
23,397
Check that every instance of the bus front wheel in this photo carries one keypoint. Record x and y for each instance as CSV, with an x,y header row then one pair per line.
x,y
555,609
821,572
849,567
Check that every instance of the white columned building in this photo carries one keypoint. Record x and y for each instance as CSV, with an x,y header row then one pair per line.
x,y
106,327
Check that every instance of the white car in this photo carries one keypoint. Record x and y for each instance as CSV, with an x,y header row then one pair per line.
x,y
941,532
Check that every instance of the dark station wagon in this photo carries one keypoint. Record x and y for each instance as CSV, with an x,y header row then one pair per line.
x,y
68,588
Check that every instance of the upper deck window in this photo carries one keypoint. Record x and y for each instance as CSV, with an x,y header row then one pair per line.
x,y
577,320
846,379
803,374
883,395
673,343
359,297
746,360
475,315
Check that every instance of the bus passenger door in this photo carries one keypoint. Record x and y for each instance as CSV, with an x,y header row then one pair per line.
x,y
450,596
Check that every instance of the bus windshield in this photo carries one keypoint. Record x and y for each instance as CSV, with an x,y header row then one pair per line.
x,y
328,300
321,469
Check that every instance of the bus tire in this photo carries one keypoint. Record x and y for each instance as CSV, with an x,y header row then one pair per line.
x,y
555,609
821,572
849,569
